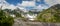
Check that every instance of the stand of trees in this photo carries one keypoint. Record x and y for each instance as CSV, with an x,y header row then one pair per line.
x,y
5,20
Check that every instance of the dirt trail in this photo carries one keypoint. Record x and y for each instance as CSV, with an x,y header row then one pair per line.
x,y
19,22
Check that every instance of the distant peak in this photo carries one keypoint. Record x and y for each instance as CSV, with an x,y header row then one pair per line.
x,y
56,6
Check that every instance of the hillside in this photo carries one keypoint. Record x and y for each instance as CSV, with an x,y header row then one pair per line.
x,y
51,14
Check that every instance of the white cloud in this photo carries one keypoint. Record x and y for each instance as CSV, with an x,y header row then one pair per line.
x,y
27,3
2,0
52,2
42,7
12,7
32,4
6,5
22,6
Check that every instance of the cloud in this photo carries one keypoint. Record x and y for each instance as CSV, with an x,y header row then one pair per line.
x,y
11,6
6,5
28,3
42,7
31,5
52,2
23,5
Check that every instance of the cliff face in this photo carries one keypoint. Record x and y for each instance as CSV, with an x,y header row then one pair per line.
x,y
51,14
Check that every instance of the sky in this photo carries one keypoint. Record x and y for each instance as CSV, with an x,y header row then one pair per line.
x,y
14,1
28,4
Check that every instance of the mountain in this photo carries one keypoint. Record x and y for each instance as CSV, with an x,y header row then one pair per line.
x,y
51,14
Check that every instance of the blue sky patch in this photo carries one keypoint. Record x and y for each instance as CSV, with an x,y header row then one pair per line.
x,y
14,1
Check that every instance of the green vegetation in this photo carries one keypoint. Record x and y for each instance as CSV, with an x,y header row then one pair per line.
x,y
5,20
51,14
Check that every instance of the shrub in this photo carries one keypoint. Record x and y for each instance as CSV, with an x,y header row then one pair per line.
x,y
5,20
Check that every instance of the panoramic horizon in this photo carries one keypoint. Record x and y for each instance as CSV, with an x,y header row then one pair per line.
x,y
28,4
29,12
